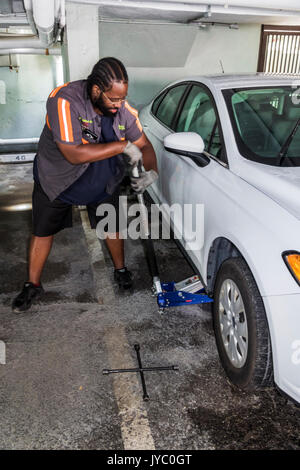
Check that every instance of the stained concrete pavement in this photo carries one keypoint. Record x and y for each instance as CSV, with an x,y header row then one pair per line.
x,y
52,391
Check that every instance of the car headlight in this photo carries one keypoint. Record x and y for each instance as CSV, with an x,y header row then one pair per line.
x,y
292,260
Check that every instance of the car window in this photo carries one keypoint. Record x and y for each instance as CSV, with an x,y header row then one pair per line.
x,y
157,102
167,107
264,120
198,115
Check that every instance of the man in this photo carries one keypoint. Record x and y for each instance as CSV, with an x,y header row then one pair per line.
x,y
89,134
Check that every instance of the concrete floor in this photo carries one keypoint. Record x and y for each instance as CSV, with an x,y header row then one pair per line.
x,y
52,391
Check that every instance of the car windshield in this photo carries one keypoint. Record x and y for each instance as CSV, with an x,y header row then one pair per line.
x,y
266,123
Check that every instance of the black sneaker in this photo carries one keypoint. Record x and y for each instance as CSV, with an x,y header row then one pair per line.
x,y
123,277
24,300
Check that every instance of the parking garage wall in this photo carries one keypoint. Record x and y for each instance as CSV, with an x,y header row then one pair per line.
x,y
157,54
162,54
24,90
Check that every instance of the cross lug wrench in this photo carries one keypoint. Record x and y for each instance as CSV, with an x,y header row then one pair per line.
x,y
141,371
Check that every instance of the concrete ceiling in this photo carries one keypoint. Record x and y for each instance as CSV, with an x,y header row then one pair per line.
x,y
176,11
230,11
148,14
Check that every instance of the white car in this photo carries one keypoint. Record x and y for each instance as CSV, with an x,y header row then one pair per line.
x,y
232,143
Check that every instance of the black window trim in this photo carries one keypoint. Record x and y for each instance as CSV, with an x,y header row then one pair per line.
x,y
180,106
159,97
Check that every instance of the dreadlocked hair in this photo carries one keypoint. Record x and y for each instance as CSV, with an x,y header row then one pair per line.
x,y
105,72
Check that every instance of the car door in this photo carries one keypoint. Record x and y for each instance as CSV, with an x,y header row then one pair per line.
x,y
164,110
186,180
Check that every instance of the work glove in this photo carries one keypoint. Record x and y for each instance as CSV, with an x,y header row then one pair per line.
x,y
133,153
143,181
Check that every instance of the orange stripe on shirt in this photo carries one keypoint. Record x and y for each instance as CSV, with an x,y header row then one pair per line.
x,y
69,121
47,121
135,113
61,119
56,90
138,123
131,110
65,121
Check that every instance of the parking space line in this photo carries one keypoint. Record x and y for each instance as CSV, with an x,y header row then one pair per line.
x,y
135,428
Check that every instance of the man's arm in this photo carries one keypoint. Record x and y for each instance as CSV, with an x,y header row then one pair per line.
x,y
87,153
149,157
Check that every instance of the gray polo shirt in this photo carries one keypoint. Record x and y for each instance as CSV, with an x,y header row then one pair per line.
x,y
70,117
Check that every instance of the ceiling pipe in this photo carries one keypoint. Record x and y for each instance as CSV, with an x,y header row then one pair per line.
x,y
240,7
56,8
60,13
21,43
44,19
13,19
29,14
196,24
18,35
278,4
47,19
226,4
32,51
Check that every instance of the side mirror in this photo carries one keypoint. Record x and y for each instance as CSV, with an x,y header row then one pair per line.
x,y
184,143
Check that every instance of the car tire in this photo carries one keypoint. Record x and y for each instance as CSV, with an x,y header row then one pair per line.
x,y
241,327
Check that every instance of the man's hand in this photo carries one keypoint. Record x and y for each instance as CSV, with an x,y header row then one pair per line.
x,y
143,181
134,154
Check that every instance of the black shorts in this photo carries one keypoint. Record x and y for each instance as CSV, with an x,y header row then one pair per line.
x,y
48,218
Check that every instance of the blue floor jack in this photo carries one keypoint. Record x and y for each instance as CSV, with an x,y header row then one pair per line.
x,y
190,291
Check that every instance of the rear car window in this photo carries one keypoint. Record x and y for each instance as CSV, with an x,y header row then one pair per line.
x,y
165,112
198,115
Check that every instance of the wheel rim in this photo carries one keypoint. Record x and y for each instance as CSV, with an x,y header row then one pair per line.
x,y
233,323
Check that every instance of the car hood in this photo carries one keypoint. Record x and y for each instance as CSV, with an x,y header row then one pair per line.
x,y
282,184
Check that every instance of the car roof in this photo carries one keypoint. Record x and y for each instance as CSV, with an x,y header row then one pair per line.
x,y
222,81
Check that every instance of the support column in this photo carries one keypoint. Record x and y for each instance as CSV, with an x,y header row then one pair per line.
x,y
82,48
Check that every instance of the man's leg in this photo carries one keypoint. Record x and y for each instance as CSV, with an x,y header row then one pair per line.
x,y
114,243
38,253
39,250
116,249
48,218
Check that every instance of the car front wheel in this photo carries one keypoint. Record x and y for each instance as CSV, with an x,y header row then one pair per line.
x,y
241,328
